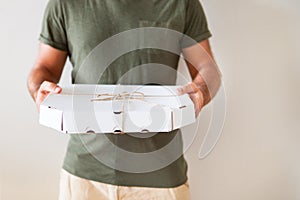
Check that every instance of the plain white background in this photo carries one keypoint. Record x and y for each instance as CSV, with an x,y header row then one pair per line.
x,y
256,44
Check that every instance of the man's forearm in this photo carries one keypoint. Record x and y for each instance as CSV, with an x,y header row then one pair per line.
x,y
203,69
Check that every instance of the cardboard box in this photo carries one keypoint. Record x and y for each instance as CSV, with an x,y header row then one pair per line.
x,y
117,109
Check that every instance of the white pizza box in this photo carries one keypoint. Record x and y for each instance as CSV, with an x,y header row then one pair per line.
x,y
117,109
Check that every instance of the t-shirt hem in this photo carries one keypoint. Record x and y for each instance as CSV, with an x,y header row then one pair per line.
x,y
127,184
51,43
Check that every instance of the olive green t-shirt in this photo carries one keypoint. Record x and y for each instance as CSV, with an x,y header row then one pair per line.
x,y
78,27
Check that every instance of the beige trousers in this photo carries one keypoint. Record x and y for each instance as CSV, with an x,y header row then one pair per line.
x,y
76,188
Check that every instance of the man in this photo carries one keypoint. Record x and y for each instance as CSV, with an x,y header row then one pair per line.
x,y
73,28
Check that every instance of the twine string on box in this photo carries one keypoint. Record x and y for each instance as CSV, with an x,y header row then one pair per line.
x,y
126,95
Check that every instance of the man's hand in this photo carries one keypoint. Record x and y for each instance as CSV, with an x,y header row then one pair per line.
x,y
45,89
46,73
195,94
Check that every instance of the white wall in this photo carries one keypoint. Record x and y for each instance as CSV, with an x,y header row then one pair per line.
x,y
257,47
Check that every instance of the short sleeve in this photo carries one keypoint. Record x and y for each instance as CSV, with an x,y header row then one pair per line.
x,y
196,27
53,30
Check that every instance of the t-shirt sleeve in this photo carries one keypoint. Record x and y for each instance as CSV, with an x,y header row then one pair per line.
x,y
53,31
196,27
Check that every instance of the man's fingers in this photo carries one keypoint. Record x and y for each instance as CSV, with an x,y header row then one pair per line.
x,y
188,89
58,90
44,90
196,103
50,87
197,99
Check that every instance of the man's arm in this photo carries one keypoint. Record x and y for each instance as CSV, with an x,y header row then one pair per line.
x,y
46,73
205,74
